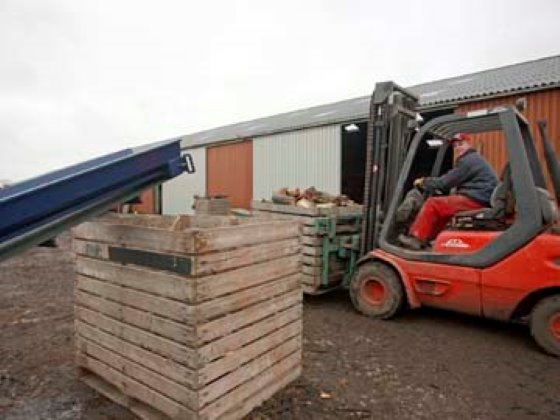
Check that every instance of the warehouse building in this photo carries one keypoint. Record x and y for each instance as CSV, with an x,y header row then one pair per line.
x,y
324,146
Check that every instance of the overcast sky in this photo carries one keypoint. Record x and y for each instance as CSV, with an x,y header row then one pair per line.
x,y
83,78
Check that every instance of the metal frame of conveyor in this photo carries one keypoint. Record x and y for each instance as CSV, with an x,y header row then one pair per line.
x,y
35,210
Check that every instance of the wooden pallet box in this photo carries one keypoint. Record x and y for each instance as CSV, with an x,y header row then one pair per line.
x,y
313,261
188,317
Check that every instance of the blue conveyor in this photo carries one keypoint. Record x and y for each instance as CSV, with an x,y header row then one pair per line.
x,y
35,210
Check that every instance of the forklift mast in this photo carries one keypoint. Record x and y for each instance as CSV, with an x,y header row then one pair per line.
x,y
392,119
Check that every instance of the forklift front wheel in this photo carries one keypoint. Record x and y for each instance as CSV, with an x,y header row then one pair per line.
x,y
545,324
377,291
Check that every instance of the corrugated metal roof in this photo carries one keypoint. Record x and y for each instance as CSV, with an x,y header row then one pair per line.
x,y
531,75
309,117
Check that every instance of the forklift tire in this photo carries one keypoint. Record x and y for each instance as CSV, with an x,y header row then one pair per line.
x,y
377,291
545,324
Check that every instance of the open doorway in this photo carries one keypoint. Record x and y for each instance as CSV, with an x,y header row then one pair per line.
x,y
353,156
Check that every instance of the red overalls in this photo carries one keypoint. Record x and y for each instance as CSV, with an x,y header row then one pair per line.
x,y
436,213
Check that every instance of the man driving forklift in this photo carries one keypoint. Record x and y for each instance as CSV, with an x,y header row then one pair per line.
x,y
474,181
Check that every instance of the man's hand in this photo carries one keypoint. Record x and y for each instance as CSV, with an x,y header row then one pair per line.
x,y
418,182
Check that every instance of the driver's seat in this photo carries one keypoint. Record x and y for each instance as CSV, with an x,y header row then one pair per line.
x,y
502,205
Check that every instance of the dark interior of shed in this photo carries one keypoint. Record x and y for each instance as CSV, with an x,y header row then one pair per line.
x,y
353,156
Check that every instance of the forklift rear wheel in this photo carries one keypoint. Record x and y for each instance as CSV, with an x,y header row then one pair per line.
x,y
545,324
377,291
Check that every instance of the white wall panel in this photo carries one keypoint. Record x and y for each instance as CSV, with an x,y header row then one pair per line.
x,y
303,158
177,194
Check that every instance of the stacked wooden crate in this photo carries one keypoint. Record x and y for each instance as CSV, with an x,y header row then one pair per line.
x,y
313,240
188,317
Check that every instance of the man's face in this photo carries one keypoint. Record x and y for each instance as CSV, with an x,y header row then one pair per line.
x,y
460,147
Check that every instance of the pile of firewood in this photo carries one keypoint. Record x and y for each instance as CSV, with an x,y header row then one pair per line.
x,y
310,198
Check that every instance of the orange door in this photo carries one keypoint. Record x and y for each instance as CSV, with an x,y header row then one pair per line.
x,y
143,204
230,172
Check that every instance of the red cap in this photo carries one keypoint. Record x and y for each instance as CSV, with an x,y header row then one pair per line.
x,y
460,137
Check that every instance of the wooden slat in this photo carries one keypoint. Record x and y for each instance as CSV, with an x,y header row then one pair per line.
x,y
150,281
309,230
340,228
140,237
315,280
238,339
100,385
146,358
219,387
220,284
153,380
103,387
227,304
237,301
312,260
90,249
135,389
234,405
314,251
226,260
284,208
309,290
209,240
280,381
288,209
335,270
310,280
157,344
288,368
311,270
158,305
180,332
157,221
225,325
202,221
233,361
268,215
311,240
188,241
201,265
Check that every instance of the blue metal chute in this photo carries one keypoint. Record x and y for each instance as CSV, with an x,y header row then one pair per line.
x,y
35,210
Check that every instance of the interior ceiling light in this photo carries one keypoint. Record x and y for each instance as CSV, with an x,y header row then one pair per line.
x,y
351,128
434,143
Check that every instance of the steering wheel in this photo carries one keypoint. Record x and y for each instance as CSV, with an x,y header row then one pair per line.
x,y
426,194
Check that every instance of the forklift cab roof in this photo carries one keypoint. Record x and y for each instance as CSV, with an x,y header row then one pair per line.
x,y
479,121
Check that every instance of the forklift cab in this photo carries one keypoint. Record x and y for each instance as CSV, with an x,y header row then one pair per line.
x,y
507,271
485,240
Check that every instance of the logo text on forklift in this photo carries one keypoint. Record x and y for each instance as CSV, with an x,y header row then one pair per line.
x,y
456,243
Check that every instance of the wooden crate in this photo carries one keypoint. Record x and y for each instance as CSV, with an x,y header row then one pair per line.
x,y
312,241
188,317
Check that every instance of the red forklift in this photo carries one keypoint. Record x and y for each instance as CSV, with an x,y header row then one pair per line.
x,y
501,262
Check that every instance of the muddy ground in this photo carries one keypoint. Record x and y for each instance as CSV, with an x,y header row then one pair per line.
x,y
426,364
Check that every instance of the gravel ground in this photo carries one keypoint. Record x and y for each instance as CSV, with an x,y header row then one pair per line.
x,y
425,364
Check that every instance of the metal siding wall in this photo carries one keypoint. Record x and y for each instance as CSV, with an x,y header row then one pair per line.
x,y
543,105
230,172
177,194
302,158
